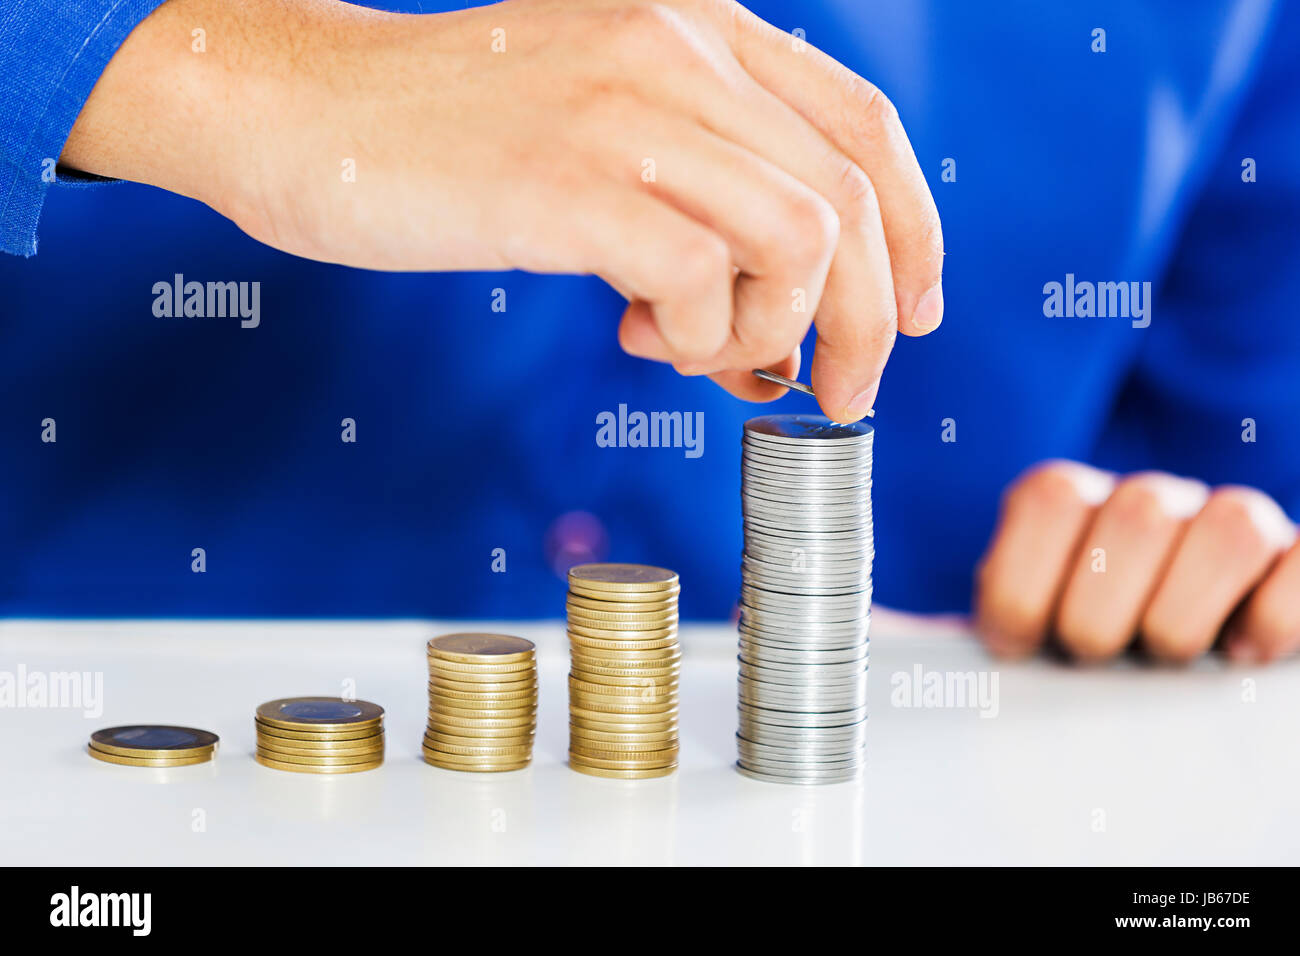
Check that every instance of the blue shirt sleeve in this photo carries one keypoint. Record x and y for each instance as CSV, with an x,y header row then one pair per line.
x,y
1216,393
52,53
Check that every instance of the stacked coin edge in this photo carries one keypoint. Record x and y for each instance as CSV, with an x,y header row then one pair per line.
x,y
114,745
624,665
482,703
805,599
352,743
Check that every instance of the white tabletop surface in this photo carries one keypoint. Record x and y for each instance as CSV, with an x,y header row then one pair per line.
x,y
1119,765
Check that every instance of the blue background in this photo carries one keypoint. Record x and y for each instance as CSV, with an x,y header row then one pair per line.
x,y
476,429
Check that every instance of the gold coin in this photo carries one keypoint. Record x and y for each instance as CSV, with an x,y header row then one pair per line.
x,y
644,691
320,746
597,658
518,752
277,747
438,761
471,648
580,642
623,759
623,577
609,704
451,668
527,728
362,733
625,724
616,668
303,768
606,675
473,725
648,622
626,607
587,745
622,736
516,698
486,710
623,774
469,760
666,596
148,761
317,761
655,763
154,740
576,709
433,735
620,638
659,657
320,714
478,686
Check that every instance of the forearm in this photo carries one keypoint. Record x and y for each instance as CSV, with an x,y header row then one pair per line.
x,y
189,111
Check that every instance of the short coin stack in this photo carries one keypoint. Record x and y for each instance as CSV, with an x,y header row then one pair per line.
x,y
320,735
152,745
482,702
805,598
625,663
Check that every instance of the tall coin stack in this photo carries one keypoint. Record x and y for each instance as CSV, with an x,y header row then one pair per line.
x,y
482,702
805,598
320,735
625,663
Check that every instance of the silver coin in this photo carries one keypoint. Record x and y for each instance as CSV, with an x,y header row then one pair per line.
x,y
777,776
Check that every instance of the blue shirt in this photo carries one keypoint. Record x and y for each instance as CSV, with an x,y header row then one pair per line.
x,y
476,426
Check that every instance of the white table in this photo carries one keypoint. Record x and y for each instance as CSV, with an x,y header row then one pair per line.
x,y
1119,765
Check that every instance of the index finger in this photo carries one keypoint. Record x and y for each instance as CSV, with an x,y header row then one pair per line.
x,y
859,119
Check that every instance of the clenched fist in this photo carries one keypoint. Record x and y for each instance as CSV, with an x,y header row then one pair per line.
x,y
1099,561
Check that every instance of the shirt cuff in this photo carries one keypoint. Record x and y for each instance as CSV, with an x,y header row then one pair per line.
x,y
52,53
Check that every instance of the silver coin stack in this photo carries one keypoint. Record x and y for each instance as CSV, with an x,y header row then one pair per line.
x,y
805,602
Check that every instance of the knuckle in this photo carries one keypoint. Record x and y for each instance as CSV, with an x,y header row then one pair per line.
x,y
855,193
876,114
1242,520
1048,488
1138,502
814,228
701,261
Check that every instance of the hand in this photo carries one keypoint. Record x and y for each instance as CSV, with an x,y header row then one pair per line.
x,y
776,175
1098,560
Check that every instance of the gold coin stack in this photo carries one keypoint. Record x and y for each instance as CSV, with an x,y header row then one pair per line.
x,y
482,702
152,745
625,662
320,735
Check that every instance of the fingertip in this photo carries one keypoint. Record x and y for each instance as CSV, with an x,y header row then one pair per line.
x,y
928,313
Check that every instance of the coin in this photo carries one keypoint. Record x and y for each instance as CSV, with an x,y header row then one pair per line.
x,y
482,702
154,740
470,647
148,761
318,761
613,761
805,598
319,714
622,774
266,761
362,733
619,577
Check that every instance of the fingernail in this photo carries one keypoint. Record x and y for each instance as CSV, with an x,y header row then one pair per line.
x,y
929,311
861,404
